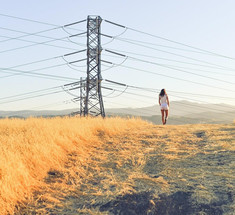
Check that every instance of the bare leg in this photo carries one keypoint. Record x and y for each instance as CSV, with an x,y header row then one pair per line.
x,y
166,111
163,120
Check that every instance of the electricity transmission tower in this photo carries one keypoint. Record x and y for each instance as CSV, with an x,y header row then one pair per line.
x,y
91,101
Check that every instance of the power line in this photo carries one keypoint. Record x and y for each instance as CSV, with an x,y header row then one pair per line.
x,y
36,43
183,104
189,81
70,65
19,72
221,106
153,44
205,95
155,90
136,87
66,102
14,72
164,46
31,97
180,79
44,23
26,34
172,41
30,94
180,70
74,35
52,104
170,67
177,61
34,62
29,20
40,43
74,23
48,59
48,105
122,92
146,112
209,63
33,73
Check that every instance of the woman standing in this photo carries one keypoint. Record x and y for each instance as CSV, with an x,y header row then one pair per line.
x,y
164,105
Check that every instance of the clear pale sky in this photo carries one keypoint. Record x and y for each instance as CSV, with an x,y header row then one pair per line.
x,y
204,24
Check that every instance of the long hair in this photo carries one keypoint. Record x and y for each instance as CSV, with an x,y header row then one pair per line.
x,y
162,93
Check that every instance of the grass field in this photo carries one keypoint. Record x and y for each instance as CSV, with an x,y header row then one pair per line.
x,y
115,166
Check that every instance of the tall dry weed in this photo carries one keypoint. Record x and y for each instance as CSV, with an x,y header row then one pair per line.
x,y
30,148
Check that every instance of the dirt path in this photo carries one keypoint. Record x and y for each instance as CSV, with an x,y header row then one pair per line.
x,y
157,170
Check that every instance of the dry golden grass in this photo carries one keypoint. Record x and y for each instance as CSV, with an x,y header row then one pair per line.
x,y
30,148
75,165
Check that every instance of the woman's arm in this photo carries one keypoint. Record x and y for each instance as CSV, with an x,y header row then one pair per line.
x,y
168,102
159,100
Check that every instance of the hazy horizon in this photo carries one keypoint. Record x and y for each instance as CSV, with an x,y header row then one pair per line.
x,y
129,107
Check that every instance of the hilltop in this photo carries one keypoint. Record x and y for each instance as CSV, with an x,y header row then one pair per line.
x,y
116,166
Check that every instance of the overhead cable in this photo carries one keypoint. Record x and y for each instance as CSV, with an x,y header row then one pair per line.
x,y
179,55
169,40
173,77
36,43
137,94
14,72
177,61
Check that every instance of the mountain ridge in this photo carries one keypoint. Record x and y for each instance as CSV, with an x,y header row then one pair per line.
x,y
180,112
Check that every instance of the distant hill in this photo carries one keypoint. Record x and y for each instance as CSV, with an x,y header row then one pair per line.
x,y
42,113
181,112
177,108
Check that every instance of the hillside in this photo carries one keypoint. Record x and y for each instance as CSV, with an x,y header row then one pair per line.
x,y
32,113
177,108
115,166
181,112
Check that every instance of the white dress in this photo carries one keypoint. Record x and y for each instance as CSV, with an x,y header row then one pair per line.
x,y
163,101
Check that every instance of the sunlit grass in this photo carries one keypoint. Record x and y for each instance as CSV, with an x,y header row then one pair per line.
x,y
30,148
58,163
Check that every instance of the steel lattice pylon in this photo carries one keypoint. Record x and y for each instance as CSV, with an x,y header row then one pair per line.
x,y
91,102
82,96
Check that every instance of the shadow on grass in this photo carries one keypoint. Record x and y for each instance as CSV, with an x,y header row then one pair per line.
x,y
144,203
